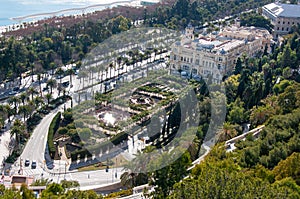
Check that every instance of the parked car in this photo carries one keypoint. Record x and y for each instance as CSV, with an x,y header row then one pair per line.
x,y
33,164
66,84
27,162
16,88
12,92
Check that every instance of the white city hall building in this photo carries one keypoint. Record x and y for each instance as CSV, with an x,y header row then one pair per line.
x,y
214,55
282,16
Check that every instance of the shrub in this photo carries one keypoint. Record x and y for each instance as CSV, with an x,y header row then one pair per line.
x,y
118,194
62,131
52,129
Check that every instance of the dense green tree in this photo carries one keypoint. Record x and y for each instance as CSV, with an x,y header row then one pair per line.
x,y
257,20
53,191
238,66
237,114
164,178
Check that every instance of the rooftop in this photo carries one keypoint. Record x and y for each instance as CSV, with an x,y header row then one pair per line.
x,y
283,10
223,42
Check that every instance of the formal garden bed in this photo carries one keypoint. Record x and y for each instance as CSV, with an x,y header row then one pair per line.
x,y
94,131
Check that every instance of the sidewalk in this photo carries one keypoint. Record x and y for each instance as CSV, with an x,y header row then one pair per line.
x,y
4,145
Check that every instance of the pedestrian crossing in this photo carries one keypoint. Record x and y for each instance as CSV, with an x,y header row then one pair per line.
x,y
32,172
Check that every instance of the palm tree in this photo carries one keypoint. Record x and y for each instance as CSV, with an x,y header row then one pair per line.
x,y
111,66
38,101
2,121
24,110
32,67
126,63
82,75
70,72
92,70
155,53
31,91
52,66
48,97
60,72
18,130
132,177
52,83
14,100
119,61
2,110
147,53
127,179
23,97
39,77
229,131
9,111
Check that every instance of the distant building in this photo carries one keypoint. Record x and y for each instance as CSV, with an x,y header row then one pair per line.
x,y
214,55
149,2
282,16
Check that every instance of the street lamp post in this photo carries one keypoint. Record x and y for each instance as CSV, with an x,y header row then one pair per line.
x,y
65,170
116,174
21,171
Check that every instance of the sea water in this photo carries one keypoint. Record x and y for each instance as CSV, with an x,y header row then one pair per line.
x,y
16,8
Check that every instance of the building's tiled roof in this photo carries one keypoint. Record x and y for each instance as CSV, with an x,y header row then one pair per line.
x,y
284,10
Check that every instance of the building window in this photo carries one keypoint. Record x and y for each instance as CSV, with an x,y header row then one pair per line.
x,y
287,29
288,22
191,60
277,28
283,22
197,61
282,28
293,23
174,57
278,22
219,66
181,58
220,59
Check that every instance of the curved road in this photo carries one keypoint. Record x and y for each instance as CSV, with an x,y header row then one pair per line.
x,y
35,147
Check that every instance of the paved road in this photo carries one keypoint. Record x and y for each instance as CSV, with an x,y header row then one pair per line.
x,y
35,147
87,179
